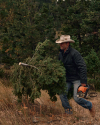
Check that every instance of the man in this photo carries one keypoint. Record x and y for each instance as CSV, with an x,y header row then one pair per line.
x,y
76,73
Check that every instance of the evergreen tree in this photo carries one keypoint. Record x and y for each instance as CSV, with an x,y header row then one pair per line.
x,y
74,16
44,23
44,72
18,37
93,66
91,27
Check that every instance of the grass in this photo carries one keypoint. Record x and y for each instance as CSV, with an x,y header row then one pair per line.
x,y
6,96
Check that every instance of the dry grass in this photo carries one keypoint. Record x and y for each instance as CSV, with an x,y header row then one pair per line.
x,y
6,96
43,111
14,113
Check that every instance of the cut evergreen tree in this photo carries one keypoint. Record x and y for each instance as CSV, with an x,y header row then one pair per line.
x,y
43,72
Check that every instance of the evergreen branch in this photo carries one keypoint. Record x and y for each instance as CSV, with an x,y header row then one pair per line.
x,y
34,53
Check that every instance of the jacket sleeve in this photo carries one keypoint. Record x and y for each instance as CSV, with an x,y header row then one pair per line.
x,y
81,66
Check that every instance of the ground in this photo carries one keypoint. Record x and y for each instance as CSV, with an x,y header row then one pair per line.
x,y
43,111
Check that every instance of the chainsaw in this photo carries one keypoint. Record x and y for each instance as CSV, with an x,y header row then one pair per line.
x,y
82,91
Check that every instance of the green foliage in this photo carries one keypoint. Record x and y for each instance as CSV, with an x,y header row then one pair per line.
x,y
75,14
44,23
45,72
23,24
93,64
76,44
91,25
95,83
93,68
17,36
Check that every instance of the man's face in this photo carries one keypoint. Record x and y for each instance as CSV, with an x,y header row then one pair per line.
x,y
64,46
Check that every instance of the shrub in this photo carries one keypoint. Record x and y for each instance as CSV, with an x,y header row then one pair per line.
x,y
93,68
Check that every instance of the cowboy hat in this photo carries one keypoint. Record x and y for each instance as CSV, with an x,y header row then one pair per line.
x,y
65,38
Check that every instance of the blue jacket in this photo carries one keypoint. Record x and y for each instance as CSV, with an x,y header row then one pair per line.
x,y
74,65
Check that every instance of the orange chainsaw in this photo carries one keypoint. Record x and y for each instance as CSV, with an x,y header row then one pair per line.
x,y
82,91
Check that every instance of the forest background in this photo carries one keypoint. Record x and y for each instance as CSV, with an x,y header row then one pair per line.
x,y
25,23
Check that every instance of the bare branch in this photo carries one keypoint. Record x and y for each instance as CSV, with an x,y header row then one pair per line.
x,y
24,64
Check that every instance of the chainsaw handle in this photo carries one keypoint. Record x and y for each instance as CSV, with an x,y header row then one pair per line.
x,y
83,84
86,85
86,91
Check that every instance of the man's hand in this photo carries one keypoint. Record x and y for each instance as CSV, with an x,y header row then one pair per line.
x,y
83,84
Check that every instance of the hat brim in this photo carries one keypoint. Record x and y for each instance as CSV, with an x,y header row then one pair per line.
x,y
59,41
